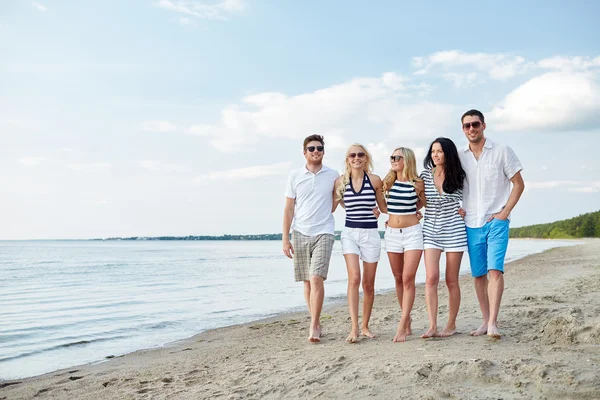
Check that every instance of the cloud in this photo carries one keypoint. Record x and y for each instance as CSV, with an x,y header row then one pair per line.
x,y
160,166
31,161
217,10
462,80
256,171
576,63
345,112
90,167
39,6
554,101
159,126
497,66
566,186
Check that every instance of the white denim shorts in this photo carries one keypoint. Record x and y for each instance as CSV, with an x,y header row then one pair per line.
x,y
365,242
399,240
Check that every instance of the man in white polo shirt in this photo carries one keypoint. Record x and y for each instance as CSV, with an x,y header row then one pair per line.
x,y
488,199
308,204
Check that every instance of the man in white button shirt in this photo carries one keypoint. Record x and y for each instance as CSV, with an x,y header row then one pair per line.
x,y
308,212
488,200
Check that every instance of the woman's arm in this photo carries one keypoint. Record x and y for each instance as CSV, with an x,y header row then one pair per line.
x,y
378,188
420,190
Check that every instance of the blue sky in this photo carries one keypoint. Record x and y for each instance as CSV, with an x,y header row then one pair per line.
x,y
150,117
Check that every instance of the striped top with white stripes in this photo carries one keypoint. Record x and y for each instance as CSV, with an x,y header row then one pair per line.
x,y
402,199
443,224
359,205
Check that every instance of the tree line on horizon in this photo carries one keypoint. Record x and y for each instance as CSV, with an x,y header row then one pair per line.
x,y
582,226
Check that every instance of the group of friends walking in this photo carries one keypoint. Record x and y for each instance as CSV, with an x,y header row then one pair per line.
x,y
467,195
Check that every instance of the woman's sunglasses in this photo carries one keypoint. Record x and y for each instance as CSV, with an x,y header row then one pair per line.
x,y
313,148
474,124
354,155
395,158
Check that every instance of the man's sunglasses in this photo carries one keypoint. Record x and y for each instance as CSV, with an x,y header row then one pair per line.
x,y
354,155
395,158
313,148
474,124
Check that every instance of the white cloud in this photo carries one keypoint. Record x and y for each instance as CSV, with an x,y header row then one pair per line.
x,y
345,112
159,126
553,101
566,186
462,80
160,166
256,171
497,66
90,167
39,6
219,10
31,161
576,63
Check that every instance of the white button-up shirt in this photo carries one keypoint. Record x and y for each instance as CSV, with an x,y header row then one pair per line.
x,y
314,199
487,185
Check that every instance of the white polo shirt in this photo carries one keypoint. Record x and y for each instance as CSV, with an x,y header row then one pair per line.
x,y
487,185
314,199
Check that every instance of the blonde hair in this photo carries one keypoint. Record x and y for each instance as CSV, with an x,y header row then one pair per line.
x,y
409,172
368,168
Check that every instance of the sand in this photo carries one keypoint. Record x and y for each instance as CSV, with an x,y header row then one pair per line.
x,y
550,319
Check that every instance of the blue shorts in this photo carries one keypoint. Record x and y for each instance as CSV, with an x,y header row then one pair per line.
x,y
487,246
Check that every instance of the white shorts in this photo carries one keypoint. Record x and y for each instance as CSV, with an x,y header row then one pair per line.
x,y
362,241
399,240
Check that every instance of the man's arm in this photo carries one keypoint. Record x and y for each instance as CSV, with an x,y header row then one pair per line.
x,y
336,201
515,195
288,215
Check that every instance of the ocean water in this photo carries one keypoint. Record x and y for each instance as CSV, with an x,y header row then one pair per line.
x,y
65,303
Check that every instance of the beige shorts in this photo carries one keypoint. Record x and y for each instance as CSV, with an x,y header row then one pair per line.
x,y
364,242
399,240
311,255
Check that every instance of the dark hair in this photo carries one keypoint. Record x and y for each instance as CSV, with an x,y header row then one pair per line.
x,y
311,138
473,113
455,175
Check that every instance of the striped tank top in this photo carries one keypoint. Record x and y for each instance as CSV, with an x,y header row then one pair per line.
x,y
402,199
359,205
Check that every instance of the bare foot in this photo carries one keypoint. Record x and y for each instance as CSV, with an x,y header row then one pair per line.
x,y
409,328
315,335
448,332
493,332
352,337
482,330
400,336
366,332
431,332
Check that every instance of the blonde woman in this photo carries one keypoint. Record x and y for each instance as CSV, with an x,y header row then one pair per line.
x,y
404,193
360,192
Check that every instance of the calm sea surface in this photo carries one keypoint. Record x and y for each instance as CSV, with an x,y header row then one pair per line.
x,y
64,303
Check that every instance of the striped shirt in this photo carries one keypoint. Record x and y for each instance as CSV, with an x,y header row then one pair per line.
x,y
402,199
359,205
443,225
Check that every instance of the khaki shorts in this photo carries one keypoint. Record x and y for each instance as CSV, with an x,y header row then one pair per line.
x,y
311,255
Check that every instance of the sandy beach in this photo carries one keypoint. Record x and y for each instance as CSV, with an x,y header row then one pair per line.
x,y
550,319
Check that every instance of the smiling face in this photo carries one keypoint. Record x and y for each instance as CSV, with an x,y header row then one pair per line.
x,y
357,158
316,155
437,154
397,162
473,128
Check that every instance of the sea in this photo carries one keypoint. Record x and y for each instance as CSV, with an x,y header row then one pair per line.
x,y
66,303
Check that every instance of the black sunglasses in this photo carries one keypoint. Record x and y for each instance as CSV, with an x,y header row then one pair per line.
x,y
354,155
395,158
313,148
474,124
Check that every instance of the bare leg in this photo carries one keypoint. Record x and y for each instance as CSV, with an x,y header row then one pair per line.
x,y
368,285
307,294
495,290
317,293
432,267
397,264
353,267
411,260
481,284
453,260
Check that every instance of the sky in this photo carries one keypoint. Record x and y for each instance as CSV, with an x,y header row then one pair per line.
x,y
185,117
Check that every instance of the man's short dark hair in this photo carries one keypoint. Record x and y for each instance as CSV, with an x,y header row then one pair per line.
x,y
311,138
473,113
